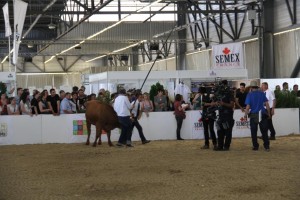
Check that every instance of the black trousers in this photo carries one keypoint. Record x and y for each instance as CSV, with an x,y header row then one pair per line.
x,y
271,127
179,121
208,126
136,124
125,129
263,125
224,132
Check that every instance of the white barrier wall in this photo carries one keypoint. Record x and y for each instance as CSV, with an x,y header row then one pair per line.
x,y
70,128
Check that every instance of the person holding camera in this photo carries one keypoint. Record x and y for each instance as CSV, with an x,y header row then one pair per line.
x,y
225,122
208,118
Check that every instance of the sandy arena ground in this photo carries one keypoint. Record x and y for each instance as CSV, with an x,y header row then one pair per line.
x,y
176,170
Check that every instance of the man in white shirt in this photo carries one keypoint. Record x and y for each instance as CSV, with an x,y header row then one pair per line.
x,y
272,103
136,112
122,107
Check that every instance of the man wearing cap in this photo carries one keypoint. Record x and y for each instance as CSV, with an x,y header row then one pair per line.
x,y
255,101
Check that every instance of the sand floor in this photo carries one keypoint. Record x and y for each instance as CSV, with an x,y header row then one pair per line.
x,y
159,170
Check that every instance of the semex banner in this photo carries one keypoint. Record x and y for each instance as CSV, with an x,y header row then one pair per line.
x,y
20,9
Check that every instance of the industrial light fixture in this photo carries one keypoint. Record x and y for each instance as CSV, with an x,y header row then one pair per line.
x,y
198,45
154,46
124,57
30,45
158,57
51,25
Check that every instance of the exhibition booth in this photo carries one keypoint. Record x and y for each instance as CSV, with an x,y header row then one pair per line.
x,y
71,128
111,80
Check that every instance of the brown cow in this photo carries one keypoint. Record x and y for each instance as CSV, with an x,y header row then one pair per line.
x,y
104,117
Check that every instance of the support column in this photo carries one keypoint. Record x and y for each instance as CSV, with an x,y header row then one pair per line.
x,y
135,58
181,59
269,70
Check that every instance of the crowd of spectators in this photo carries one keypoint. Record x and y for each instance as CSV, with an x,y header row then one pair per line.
x,y
49,102
45,102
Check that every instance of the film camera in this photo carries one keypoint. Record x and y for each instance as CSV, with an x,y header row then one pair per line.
x,y
220,90
217,93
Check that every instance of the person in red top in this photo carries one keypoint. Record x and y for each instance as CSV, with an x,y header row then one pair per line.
x,y
179,112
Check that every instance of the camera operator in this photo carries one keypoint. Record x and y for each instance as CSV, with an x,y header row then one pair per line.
x,y
225,122
208,118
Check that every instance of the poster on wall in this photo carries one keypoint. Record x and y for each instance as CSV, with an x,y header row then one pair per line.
x,y
241,125
6,133
197,126
79,127
228,56
3,130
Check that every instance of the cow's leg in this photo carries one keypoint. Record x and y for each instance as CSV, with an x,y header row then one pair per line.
x,y
88,125
99,141
108,138
98,134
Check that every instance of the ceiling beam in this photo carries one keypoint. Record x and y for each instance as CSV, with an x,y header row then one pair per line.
x,y
134,12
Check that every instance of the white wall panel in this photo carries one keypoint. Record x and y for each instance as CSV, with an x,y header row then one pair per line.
x,y
281,15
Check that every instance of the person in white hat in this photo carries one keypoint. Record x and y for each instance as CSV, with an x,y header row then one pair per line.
x,y
255,101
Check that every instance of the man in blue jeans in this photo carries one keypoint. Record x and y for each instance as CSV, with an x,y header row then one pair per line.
x,y
255,101
136,114
122,107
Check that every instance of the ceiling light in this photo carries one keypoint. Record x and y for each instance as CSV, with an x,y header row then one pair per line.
x,y
30,45
51,26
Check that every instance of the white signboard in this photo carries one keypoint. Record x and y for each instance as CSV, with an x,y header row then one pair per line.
x,y
7,76
228,56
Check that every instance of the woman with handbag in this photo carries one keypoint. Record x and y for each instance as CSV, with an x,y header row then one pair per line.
x,y
179,112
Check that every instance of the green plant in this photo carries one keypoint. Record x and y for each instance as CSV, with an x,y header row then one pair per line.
x,y
286,100
2,88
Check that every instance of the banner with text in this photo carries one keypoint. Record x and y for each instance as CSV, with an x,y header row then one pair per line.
x,y
6,19
20,9
228,56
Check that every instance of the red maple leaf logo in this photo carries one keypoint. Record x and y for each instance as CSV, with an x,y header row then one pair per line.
x,y
226,51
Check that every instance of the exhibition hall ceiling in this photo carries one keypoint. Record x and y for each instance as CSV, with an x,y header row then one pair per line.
x,y
97,27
